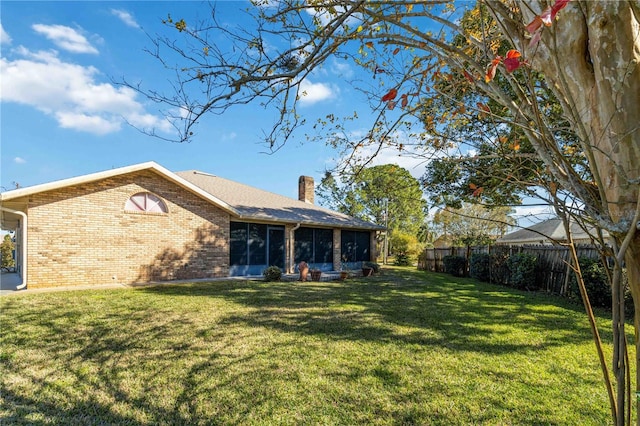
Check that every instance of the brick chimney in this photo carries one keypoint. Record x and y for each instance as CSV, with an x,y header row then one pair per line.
x,y
306,189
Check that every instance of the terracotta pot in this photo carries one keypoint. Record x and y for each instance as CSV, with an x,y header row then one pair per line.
x,y
304,270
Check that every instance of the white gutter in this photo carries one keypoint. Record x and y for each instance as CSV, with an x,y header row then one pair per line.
x,y
23,245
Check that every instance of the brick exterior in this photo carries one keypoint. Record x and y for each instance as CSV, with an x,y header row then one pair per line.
x,y
81,234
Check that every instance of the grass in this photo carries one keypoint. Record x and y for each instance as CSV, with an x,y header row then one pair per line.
x,y
403,347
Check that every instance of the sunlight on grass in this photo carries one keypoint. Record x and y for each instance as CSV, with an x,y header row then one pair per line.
x,y
404,347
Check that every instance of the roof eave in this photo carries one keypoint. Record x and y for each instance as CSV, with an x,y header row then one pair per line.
x,y
150,165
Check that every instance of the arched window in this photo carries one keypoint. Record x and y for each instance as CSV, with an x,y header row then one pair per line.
x,y
145,202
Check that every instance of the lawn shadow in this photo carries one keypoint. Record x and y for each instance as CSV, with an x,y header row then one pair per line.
x,y
402,306
139,357
89,360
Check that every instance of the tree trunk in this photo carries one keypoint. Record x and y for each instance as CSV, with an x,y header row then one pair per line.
x,y
590,56
632,260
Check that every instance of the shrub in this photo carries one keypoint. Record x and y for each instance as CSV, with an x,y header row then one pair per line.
x,y
455,265
405,248
402,260
596,283
522,271
598,286
480,266
499,269
272,273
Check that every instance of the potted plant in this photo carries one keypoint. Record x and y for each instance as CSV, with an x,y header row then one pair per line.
x,y
316,274
368,268
367,271
344,270
272,273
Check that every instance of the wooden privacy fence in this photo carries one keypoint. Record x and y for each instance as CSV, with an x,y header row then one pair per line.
x,y
552,270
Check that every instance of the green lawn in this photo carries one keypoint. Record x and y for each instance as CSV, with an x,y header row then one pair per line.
x,y
404,347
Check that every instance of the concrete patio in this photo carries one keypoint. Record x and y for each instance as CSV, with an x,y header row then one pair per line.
x,y
9,282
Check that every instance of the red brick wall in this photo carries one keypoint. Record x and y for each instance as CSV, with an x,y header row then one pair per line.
x,y
82,235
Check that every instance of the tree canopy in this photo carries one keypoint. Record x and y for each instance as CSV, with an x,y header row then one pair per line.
x,y
387,195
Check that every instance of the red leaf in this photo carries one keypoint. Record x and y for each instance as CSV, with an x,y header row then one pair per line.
x,y
491,72
483,107
558,6
469,77
478,191
536,38
511,64
473,186
546,18
369,44
391,94
513,54
534,25
378,70
396,50
405,101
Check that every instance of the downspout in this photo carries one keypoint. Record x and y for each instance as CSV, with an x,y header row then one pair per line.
x,y
292,249
24,245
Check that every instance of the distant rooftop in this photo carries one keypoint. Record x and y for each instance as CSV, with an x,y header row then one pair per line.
x,y
548,231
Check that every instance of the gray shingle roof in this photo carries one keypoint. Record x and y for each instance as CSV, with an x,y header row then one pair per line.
x,y
256,204
546,231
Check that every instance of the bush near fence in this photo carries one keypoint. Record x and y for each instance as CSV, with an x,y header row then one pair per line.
x,y
536,267
551,272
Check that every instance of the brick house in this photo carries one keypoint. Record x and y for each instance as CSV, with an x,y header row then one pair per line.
x,y
145,223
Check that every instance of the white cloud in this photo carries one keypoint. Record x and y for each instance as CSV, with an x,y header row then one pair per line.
x,y
412,157
4,37
125,17
342,69
65,38
408,159
19,160
310,93
229,136
87,123
70,93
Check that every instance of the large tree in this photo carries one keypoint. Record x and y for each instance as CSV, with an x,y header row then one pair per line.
x,y
387,195
585,53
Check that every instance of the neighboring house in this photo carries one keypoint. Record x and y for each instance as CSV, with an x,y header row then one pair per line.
x,y
443,241
145,223
548,232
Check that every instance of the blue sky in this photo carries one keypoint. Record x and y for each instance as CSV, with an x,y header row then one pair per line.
x,y
62,116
